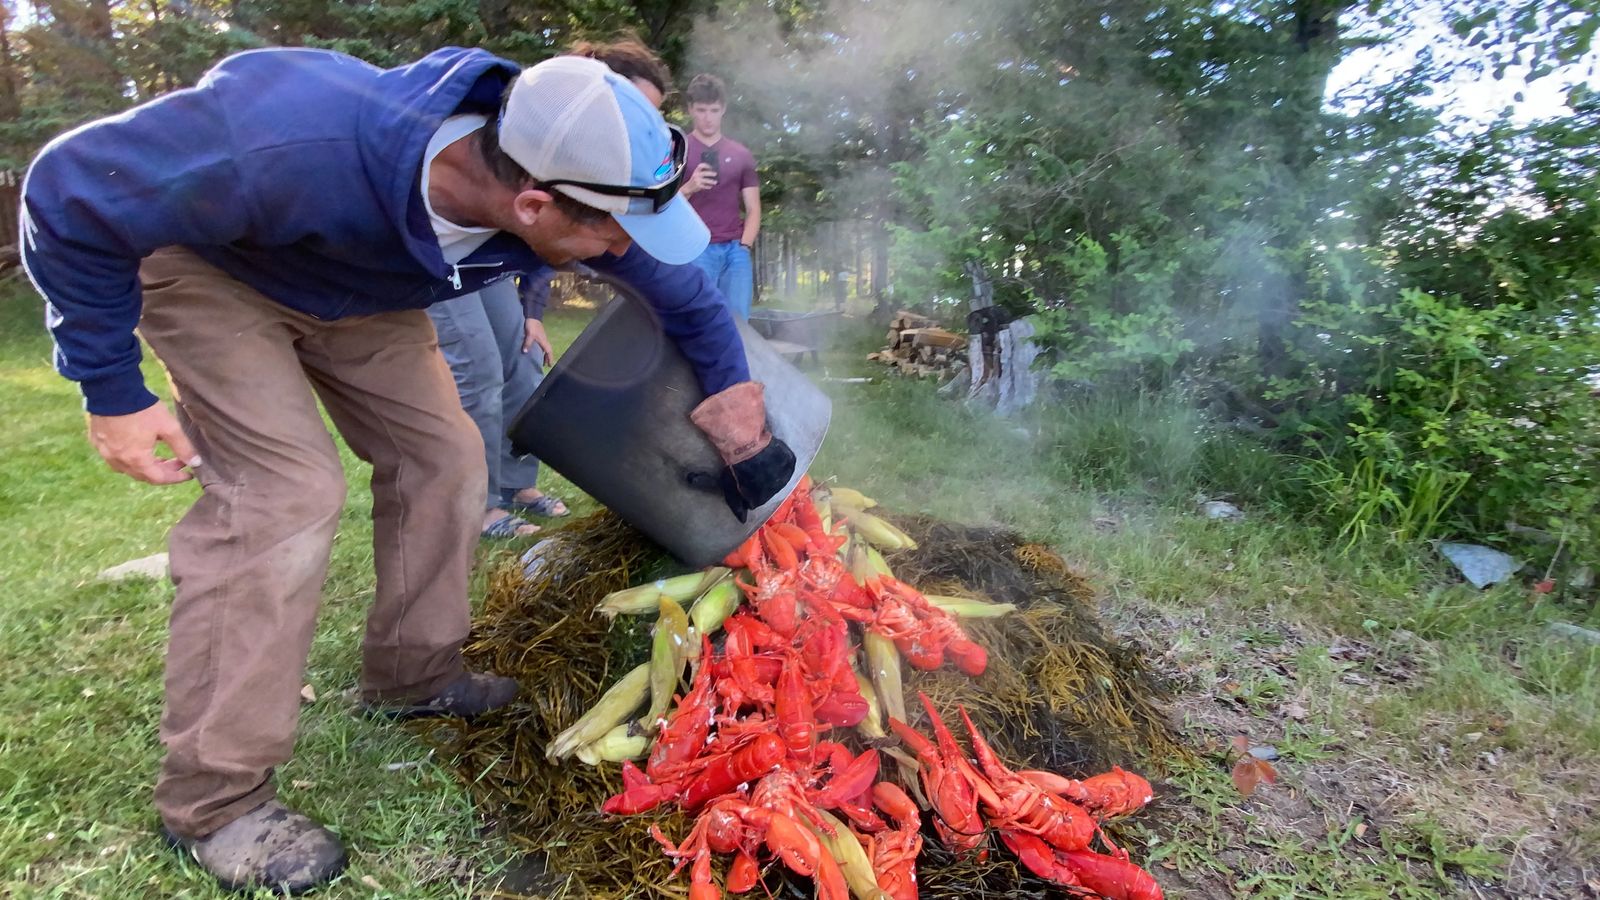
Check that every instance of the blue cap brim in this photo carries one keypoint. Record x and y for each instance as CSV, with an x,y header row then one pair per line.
x,y
675,235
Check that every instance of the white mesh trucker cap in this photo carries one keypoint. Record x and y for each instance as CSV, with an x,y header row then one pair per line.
x,y
573,119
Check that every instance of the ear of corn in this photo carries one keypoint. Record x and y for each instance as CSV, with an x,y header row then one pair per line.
x,y
907,542
861,569
634,601
846,849
613,709
883,668
620,743
668,654
714,607
851,497
642,599
880,533
876,562
870,727
908,767
968,608
843,509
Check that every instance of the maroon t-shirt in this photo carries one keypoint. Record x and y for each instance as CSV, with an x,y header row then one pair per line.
x,y
719,206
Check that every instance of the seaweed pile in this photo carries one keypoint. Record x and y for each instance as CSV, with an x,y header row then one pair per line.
x,y
1059,693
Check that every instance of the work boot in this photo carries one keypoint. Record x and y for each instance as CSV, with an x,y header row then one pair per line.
x,y
271,846
469,696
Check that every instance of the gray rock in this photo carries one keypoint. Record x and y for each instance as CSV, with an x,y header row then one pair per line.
x,y
1482,566
1265,753
153,567
1567,629
534,559
958,385
1582,579
1221,510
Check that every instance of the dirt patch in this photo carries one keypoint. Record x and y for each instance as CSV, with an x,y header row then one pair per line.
x,y
1379,815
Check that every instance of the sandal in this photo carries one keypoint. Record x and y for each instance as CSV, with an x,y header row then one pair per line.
x,y
509,526
542,505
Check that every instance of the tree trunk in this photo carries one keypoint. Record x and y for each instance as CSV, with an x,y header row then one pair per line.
x,y
1310,59
880,255
791,266
862,287
81,62
10,107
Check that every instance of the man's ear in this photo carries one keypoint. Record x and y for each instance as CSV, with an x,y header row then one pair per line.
x,y
531,203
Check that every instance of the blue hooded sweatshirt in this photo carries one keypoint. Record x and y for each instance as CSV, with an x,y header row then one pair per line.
x,y
297,172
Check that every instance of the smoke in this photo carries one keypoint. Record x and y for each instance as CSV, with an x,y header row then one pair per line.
x,y
830,101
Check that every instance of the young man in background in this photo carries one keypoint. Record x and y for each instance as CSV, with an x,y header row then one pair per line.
x,y
724,179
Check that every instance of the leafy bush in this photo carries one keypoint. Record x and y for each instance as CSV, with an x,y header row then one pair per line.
x,y
1456,421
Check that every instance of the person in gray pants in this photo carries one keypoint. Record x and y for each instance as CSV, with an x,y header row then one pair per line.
x,y
497,355
497,348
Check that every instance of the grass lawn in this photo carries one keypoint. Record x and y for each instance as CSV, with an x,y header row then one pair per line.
x,y
1432,740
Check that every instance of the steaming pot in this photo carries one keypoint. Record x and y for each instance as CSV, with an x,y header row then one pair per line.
x,y
612,416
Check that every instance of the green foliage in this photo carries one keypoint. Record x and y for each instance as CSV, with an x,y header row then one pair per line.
x,y
78,61
1405,309
1460,420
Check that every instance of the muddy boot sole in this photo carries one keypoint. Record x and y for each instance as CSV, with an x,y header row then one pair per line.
x,y
472,695
271,847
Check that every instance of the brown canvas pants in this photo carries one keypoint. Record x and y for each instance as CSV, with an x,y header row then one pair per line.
x,y
249,558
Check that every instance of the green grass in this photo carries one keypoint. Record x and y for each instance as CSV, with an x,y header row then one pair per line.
x,y
1244,618
82,696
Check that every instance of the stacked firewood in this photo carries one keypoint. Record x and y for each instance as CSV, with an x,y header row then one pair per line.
x,y
917,346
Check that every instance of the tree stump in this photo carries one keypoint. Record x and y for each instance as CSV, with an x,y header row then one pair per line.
x,y
1000,352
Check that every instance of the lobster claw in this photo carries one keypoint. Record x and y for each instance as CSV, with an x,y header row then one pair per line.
x,y
850,782
797,847
701,887
842,710
743,874
1111,877
639,794
1040,858
1115,793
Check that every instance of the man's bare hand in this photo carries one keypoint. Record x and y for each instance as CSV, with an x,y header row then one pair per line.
x,y
533,333
128,445
704,177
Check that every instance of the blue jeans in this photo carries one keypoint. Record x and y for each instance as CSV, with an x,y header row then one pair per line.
x,y
728,266
480,335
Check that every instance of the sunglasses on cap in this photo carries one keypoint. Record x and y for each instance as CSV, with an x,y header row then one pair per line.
x,y
659,195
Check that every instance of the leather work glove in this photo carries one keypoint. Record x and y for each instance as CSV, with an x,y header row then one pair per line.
x,y
758,464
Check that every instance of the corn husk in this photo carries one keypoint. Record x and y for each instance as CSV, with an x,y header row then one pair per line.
x,y
969,608
883,668
876,562
847,851
620,743
880,533
851,497
612,709
870,727
715,606
669,652
855,556
643,599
